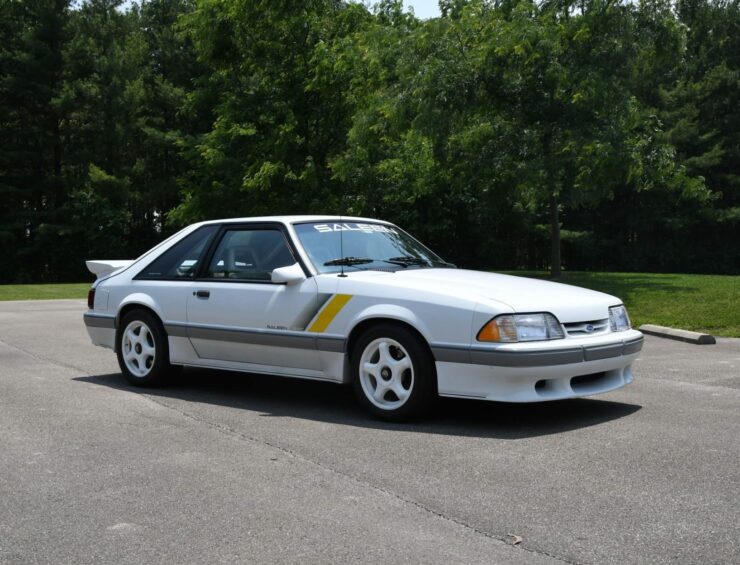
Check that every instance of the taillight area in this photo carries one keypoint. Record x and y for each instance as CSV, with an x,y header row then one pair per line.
x,y
91,298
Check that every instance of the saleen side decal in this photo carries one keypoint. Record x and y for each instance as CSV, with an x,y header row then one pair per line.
x,y
330,311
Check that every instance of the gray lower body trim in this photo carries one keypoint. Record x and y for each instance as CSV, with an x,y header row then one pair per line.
x,y
176,330
633,346
98,321
603,352
331,344
535,358
259,337
529,359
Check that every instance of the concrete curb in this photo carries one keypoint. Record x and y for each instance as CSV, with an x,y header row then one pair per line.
x,y
680,335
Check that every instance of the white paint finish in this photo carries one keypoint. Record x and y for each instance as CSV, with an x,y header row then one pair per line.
x,y
181,351
335,366
520,294
168,299
102,267
210,350
101,299
103,337
292,274
260,369
244,306
434,314
446,306
517,384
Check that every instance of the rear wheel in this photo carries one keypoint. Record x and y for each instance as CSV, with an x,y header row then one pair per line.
x,y
393,373
142,349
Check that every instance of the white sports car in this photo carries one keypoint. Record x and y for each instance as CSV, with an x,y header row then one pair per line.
x,y
354,300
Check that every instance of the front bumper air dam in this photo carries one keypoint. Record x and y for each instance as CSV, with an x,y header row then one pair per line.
x,y
535,375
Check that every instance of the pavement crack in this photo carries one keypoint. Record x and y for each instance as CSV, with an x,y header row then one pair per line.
x,y
221,428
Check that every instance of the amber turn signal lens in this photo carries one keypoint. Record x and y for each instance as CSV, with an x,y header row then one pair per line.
x,y
489,332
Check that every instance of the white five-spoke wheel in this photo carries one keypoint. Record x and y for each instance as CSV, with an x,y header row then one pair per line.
x,y
142,349
394,374
386,373
139,349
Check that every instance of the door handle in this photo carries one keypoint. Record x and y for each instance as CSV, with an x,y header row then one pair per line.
x,y
202,293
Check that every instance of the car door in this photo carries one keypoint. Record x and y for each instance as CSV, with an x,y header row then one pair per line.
x,y
236,314
168,278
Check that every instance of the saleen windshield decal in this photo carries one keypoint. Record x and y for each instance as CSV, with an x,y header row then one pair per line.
x,y
367,228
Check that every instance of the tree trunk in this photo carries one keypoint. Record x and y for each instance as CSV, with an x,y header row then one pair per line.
x,y
552,193
554,237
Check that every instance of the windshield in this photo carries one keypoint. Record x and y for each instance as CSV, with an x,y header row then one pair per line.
x,y
363,246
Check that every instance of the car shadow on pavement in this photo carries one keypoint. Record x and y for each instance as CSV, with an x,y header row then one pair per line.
x,y
327,402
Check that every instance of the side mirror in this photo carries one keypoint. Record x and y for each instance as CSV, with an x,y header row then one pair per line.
x,y
291,274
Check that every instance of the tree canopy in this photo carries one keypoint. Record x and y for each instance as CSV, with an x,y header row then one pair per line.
x,y
590,134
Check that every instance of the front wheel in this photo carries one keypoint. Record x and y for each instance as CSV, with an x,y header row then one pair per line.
x,y
142,349
393,373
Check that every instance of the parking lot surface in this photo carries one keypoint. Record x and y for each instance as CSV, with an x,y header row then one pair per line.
x,y
227,467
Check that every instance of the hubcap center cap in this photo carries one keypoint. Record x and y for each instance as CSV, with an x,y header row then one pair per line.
x,y
137,348
385,372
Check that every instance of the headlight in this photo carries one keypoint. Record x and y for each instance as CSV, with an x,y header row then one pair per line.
x,y
618,318
511,328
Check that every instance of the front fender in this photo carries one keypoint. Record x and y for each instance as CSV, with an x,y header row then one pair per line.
x,y
393,312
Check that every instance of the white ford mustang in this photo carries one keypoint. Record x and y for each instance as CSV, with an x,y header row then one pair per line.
x,y
354,300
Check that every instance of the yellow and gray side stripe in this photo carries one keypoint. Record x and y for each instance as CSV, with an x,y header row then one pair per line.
x,y
326,315
315,339
270,338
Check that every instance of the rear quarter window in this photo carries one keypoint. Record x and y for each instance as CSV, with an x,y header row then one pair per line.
x,y
181,261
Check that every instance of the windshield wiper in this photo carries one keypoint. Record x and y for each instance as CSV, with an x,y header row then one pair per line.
x,y
348,261
407,260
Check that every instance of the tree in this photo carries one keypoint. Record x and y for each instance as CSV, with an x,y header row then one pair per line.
x,y
31,185
276,114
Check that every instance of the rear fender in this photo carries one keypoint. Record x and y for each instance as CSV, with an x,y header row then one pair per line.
x,y
140,299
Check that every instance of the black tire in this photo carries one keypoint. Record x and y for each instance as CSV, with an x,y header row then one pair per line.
x,y
151,374
420,384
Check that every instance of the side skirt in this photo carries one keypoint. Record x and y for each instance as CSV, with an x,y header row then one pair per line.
x,y
183,353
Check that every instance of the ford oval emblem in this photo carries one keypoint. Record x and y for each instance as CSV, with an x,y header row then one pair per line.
x,y
589,328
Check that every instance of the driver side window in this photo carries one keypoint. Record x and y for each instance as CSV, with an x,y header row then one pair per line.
x,y
250,255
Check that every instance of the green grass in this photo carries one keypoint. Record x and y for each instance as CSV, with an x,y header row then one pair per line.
x,y
709,303
43,291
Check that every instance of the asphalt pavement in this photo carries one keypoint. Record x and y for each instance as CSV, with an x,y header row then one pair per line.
x,y
232,468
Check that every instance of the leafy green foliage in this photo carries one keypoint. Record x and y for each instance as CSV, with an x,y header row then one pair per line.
x,y
590,134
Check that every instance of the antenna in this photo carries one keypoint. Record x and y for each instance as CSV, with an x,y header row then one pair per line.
x,y
341,245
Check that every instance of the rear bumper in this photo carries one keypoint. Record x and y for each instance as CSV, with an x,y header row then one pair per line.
x,y
536,375
101,329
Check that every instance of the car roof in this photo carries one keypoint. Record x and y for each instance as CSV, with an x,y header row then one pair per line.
x,y
294,219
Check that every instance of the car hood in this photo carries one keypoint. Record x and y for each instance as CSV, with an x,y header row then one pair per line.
x,y
567,303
